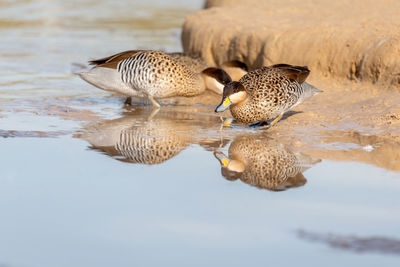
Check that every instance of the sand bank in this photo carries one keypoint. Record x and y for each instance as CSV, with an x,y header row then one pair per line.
x,y
352,50
357,40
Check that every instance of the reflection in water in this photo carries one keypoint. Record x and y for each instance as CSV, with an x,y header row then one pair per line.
x,y
353,243
143,137
153,143
260,161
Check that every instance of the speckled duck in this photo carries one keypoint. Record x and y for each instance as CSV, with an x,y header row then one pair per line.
x,y
265,94
154,74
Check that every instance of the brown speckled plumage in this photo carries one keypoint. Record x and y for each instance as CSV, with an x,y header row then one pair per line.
x,y
150,144
154,74
160,75
271,91
197,64
267,163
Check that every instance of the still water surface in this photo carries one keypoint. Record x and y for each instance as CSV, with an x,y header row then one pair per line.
x,y
87,181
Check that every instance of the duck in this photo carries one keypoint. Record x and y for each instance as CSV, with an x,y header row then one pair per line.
x,y
154,74
266,93
261,161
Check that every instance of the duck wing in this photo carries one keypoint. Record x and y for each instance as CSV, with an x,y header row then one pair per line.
x,y
113,60
297,73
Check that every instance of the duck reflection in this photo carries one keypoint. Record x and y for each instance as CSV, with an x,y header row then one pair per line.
x,y
147,138
151,144
260,161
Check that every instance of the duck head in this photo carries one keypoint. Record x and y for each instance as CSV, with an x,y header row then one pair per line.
x,y
232,165
215,79
234,93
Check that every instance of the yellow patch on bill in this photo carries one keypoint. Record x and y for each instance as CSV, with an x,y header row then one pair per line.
x,y
225,162
227,101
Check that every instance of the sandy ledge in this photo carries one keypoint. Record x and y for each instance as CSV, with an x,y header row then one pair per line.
x,y
357,40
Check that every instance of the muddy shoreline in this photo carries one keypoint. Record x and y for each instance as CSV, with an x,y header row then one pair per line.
x,y
353,57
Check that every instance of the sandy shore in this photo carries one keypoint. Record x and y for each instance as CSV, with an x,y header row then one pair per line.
x,y
351,49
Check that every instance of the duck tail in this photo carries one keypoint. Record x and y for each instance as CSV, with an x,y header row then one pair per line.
x,y
310,89
77,68
305,161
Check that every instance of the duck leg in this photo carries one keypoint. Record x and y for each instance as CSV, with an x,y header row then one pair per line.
x,y
272,123
156,107
153,113
258,124
128,101
154,102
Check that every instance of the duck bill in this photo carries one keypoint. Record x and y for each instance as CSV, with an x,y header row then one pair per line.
x,y
221,158
226,102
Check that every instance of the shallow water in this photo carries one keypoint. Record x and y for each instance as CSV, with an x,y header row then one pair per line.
x,y
87,181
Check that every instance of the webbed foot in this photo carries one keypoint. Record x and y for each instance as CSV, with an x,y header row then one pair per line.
x,y
272,123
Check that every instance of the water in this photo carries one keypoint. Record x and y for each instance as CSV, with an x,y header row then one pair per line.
x,y
86,181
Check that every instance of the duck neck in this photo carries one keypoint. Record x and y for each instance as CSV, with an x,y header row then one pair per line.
x,y
192,86
239,99
212,84
242,109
